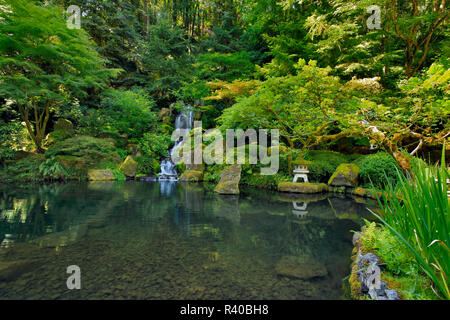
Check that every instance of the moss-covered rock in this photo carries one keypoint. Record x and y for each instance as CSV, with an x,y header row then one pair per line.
x,y
100,175
92,150
129,167
366,193
71,162
297,187
345,175
191,176
229,180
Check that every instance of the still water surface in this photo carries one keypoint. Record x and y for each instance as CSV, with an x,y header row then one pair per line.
x,y
136,240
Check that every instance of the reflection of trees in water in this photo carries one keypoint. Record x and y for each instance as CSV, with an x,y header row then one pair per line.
x,y
255,222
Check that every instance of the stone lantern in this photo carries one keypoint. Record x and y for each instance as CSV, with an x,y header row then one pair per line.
x,y
301,169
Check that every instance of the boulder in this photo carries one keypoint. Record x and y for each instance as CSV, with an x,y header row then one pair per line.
x,y
345,175
70,162
129,167
191,176
63,125
298,187
366,193
295,267
229,180
100,175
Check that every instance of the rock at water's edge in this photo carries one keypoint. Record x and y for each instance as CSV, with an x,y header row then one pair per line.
x,y
191,176
100,175
229,180
298,187
345,175
129,167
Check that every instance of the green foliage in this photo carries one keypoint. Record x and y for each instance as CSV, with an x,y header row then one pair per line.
x,y
225,66
417,213
269,182
118,175
25,170
324,164
163,56
399,265
148,165
51,169
155,145
9,133
43,63
128,112
379,168
302,107
92,150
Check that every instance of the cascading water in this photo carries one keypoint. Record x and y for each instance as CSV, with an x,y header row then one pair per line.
x,y
184,120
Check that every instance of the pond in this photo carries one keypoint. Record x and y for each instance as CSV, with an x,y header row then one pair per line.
x,y
168,240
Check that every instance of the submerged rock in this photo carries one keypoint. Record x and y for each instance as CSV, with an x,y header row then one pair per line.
x,y
129,167
295,267
229,180
191,176
345,175
100,175
298,187
11,270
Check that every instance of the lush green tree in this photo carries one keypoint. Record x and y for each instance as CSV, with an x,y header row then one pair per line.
x,y
307,108
163,60
128,112
43,63
407,33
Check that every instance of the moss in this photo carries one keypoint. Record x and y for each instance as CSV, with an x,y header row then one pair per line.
x,y
68,162
401,271
345,175
101,175
92,150
297,187
191,176
366,193
129,167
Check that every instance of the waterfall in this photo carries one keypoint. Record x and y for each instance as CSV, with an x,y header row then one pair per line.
x,y
184,120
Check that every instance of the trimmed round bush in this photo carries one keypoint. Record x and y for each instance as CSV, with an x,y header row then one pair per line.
x,y
379,168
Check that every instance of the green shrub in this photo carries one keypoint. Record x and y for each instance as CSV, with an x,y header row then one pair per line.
x,y
128,112
380,168
155,145
9,132
92,150
324,164
263,181
25,170
400,265
148,165
51,169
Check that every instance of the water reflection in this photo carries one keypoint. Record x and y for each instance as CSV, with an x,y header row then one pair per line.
x,y
172,240
300,210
